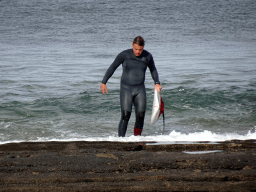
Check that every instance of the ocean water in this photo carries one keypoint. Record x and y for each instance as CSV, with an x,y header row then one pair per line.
x,y
54,54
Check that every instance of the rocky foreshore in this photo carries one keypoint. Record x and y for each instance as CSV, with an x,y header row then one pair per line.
x,y
124,166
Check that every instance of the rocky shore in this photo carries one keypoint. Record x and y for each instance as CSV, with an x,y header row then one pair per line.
x,y
120,166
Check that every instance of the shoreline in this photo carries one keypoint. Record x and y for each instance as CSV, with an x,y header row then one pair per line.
x,y
128,166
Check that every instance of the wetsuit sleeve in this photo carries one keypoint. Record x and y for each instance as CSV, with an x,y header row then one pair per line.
x,y
119,59
153,70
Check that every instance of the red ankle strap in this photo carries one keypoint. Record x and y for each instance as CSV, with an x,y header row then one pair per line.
x,y
137,131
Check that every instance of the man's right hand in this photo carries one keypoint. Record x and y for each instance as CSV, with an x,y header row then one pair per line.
x,y
103,88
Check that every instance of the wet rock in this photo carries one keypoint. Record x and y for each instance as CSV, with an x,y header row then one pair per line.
x,y
114,166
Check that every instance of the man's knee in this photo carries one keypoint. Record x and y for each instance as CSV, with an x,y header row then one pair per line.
x,y
140,116
126,115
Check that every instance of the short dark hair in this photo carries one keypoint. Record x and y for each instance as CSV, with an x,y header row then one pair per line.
x,y
139,41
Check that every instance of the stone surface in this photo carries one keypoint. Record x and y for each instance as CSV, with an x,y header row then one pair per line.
x,y
117,166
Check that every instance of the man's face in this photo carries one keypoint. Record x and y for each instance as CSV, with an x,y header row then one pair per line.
x,y
137,49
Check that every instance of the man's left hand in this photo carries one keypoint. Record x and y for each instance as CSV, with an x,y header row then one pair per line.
x,y
158,87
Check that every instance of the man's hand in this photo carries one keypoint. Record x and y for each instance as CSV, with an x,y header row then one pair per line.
x,y
103,88
158,87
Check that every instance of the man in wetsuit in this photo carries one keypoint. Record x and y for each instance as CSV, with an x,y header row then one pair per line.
x,y
132,89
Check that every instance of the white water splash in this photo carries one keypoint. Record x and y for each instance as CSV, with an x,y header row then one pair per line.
x,y
173,137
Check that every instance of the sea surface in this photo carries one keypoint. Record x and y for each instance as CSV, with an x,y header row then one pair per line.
x,y
54,54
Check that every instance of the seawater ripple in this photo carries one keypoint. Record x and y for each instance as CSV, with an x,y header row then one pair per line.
x,y
55,53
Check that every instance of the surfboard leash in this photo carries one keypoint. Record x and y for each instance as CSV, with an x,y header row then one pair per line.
x,y
162,112
163,122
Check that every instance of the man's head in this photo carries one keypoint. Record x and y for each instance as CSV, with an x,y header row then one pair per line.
x,y
138,45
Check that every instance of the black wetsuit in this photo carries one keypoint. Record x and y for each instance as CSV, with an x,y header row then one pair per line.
x,y
132,88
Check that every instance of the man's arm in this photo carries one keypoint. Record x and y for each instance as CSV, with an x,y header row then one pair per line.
x,y
154,74
119,59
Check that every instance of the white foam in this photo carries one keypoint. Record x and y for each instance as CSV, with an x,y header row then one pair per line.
x,y
173,137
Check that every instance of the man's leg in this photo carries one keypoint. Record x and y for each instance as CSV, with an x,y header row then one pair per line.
x,y
126,108
139,123
140,102
123,123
